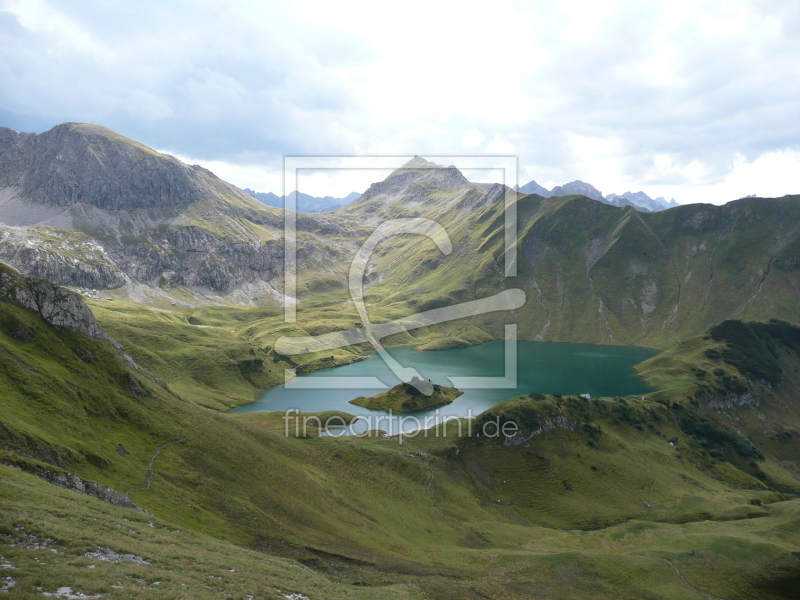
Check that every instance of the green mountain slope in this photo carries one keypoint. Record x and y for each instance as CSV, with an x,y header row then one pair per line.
x,y
591,273
601,274
689,491
586,494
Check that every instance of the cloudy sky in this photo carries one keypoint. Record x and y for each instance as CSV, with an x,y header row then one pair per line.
x,y
691,99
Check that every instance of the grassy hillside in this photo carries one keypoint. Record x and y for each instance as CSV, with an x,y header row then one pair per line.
x,y
609,498
592,272
689,491
52,538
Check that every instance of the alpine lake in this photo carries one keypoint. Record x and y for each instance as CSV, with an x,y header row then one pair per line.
x,y
543,367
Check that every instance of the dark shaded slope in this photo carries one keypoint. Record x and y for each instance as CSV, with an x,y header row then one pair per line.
x,y
602,274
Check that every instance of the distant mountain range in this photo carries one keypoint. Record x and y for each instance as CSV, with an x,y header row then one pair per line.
x,y
638,200
305,202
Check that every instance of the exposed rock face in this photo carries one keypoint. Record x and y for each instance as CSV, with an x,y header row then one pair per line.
x,y
84,206
534,188
550,423
733,401
70,481
414,182
578,187
75,162
56,305
61,256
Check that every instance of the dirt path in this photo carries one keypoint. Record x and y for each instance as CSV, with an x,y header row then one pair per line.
x,y
151,467
705,595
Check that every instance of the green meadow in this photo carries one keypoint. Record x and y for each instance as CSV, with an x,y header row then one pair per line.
x,y
677,495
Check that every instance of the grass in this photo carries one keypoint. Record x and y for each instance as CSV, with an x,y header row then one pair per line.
x,y
404,397
180,563
199,354
605,498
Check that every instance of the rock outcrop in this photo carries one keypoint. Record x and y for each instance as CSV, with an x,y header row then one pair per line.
x,y
70,481
57,306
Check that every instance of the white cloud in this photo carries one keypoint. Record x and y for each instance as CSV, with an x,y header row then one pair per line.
x,y
501,146
681,96
473,138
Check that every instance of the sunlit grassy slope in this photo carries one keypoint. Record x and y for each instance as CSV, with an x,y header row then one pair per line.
x,y
688,491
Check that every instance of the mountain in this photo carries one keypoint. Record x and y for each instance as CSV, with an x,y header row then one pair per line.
x,y
305,202
77,165
580,188
84,206
641,201
592,272
638,200
421,187
533,188
667,204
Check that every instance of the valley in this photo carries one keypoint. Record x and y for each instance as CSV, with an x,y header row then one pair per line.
x,y
139,318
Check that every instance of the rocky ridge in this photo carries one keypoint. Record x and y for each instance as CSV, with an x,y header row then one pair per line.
x,y
56,305
86,207
78,163
640,201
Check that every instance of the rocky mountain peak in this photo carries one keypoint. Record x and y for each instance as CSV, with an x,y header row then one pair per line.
x,y
578,187
640,201
420,163
533,188
416,180
79,163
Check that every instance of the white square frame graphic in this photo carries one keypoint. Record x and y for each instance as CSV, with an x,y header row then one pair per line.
x,y
291,167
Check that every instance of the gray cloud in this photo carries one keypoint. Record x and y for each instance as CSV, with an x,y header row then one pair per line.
x,y
241,83
210,88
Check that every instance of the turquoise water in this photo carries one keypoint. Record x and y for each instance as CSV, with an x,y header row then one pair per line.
x,y
545,367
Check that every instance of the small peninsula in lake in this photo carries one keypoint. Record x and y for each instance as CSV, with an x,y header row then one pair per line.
x,y
406,397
